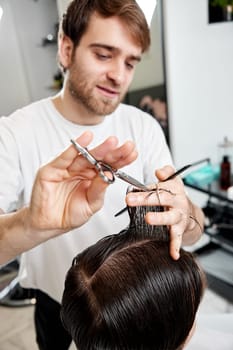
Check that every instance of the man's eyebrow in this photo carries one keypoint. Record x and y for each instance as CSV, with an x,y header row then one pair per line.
x,y
112,49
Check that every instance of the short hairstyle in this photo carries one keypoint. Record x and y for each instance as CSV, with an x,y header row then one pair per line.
x,y
126,292
77,16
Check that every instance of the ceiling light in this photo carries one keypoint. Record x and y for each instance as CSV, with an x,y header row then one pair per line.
x,y
148,8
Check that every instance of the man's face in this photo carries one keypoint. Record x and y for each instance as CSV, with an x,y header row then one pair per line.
x,y
102,66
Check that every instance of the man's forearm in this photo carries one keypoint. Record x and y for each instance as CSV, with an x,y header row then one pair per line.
x,y
13,235
16,235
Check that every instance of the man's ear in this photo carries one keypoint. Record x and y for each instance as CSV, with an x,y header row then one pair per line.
x,y
65,50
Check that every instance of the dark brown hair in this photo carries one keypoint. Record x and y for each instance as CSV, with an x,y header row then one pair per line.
x,y
126,293
76,19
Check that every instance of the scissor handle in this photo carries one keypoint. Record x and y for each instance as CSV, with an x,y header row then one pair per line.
x,y
102,167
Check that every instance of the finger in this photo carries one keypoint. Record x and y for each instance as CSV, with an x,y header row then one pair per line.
x,y
161,218
115,156
168,218
149,198
109,153
65,159
102,149
85,138
127,155
164,172
121,153
96,193
134,199
56,170
175,241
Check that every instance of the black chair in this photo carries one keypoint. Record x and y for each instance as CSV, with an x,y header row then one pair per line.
x,y
11,293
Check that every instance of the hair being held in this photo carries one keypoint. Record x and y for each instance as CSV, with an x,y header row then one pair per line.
x,y
126,292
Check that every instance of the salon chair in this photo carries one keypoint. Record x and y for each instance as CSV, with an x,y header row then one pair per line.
x,y
11,293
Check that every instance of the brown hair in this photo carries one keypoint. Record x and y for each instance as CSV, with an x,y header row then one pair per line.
x,y
75,20
126,292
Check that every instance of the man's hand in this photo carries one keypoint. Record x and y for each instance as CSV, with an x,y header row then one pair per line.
x,y
66,193
178,210
69,190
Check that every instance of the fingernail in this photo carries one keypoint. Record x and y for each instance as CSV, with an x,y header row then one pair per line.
x,y
177,254
134,198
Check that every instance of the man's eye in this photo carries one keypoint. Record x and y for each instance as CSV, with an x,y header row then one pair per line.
x,y
129,65
102,57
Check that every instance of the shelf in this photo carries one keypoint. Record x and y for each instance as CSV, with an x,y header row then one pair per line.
x,y
216,257
220,13
217,264
223,238
212,190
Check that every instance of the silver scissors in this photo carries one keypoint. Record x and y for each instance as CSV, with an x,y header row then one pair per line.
x,y
103,167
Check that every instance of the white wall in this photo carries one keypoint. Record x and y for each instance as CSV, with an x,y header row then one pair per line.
x,y
61,6
199,67
13,86
26,68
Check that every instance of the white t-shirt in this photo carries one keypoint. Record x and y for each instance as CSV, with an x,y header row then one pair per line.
x,y
32,136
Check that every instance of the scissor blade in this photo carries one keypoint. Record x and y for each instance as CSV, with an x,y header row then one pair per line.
x,y
84,152
130,180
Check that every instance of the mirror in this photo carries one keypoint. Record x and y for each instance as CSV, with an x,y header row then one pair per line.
x,y
148,89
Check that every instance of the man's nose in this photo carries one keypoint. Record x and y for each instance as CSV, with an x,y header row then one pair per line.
x,y
117,73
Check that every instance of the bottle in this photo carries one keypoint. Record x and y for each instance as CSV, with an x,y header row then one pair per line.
x,y
225,173
225,148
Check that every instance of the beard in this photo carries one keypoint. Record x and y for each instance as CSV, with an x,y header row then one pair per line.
x,y
82,88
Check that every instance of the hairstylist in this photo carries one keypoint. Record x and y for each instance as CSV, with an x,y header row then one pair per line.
x,y
100,43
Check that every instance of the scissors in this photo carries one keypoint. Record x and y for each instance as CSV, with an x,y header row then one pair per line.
x,y
102,167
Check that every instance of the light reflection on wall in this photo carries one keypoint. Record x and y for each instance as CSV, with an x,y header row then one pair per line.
x,y
1,12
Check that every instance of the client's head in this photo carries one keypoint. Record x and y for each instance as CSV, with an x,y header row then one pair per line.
x,y
126,293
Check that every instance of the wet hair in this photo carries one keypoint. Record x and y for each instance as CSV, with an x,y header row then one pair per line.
x,y
126,293
77,16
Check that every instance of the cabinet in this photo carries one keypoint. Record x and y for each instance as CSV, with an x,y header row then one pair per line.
x,y
216,256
